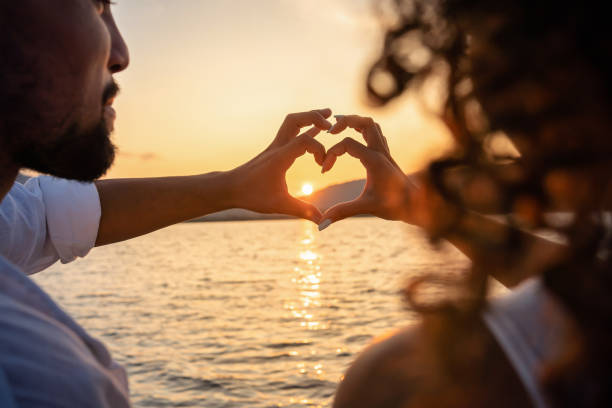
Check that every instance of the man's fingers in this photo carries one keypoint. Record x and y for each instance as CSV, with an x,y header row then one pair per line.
x,y
312,132
295,121
370,130
350,146
341,211
306,143
302,209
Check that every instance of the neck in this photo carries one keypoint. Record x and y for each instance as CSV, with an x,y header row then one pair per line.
x,y
8,174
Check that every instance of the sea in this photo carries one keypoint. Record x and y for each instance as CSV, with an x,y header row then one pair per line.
x,y
246,314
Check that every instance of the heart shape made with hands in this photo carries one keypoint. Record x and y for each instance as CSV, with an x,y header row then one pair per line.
x,y
384,190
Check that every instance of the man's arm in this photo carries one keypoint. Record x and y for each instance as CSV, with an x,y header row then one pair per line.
x,y
133,207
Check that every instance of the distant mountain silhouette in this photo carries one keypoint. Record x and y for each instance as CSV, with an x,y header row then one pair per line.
x,y
323,199
335,194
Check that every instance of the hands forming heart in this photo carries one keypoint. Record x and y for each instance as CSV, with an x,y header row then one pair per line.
x,y
261,184
387,191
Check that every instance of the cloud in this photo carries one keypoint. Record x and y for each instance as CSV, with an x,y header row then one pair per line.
x,y
356,13
140,156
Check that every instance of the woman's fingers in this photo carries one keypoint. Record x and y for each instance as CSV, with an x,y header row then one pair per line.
x,y
366,126
350,146
296,121
343,210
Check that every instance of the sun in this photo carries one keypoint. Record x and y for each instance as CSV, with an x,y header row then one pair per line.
x,y
307,189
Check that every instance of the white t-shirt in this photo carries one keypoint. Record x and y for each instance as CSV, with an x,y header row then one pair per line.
x,y
46,358
532,328
47,219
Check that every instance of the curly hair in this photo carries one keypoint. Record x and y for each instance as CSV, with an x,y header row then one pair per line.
x,y
537,74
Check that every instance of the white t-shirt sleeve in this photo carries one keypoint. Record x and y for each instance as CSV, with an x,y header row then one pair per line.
x,y
47,219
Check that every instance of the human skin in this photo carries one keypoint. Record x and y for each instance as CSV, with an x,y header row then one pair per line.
x,y
76,49
66,52
391,194
71,49
405,367
132,207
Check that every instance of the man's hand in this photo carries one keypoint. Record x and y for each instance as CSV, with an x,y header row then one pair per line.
x,y
260,185
387,190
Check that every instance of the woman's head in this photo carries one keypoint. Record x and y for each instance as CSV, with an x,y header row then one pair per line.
x,y
540,75
536,72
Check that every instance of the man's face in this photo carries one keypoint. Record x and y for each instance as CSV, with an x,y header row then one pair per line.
x,y
56,78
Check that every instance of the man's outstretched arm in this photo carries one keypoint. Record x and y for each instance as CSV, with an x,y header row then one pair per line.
x,y
133,207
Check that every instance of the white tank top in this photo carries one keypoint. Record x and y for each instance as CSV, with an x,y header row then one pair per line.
x,y
531,327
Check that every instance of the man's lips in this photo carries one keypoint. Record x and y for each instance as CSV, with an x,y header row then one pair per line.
x,y
108,97
109,116
109,111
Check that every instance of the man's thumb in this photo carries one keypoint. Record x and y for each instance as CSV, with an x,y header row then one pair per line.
x,y
304,210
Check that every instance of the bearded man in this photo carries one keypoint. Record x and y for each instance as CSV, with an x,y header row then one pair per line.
x,y
57,61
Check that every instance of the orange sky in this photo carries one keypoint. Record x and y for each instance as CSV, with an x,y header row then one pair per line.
x,y
210,82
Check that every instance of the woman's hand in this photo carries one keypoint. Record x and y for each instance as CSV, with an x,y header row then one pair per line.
x,y
260,185
388,192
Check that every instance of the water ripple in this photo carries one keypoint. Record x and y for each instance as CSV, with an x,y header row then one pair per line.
x,y
257,314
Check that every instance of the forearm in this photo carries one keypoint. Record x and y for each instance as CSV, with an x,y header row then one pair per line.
x,y
481,238
133,207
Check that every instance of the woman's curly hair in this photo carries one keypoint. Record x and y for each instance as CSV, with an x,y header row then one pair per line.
x,y
540,75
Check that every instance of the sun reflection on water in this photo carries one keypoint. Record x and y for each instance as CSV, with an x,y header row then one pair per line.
x,y
308,255
305,306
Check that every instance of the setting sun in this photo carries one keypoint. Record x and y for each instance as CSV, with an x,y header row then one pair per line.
x,y
307,189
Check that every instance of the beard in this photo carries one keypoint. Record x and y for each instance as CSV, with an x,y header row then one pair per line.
x,y
30,134
76,155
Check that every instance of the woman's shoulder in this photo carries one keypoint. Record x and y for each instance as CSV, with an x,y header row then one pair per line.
x,y
381,372
407,368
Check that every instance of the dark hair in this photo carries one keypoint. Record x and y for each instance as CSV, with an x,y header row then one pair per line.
x,y
539,74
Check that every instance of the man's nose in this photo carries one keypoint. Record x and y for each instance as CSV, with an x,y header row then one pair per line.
x,y
119,55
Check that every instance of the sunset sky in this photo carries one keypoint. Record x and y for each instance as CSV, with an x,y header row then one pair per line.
x,y
211,81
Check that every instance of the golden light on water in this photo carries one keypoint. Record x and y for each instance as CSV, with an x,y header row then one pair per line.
x,y
305,304
307,189
308,255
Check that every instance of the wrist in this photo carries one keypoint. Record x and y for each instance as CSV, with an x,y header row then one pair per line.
x,y
411,208
218,190
233,189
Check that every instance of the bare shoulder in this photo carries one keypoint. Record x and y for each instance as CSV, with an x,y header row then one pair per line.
x,y
381,373
406,369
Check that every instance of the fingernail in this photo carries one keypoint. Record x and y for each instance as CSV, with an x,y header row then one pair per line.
x,y
324,224
324,167
331,129
338,116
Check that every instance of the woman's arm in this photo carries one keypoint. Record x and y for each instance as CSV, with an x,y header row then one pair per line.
x,y
392,195
133,207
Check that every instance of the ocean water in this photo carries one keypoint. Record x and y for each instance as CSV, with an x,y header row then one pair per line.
x,y
237,314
